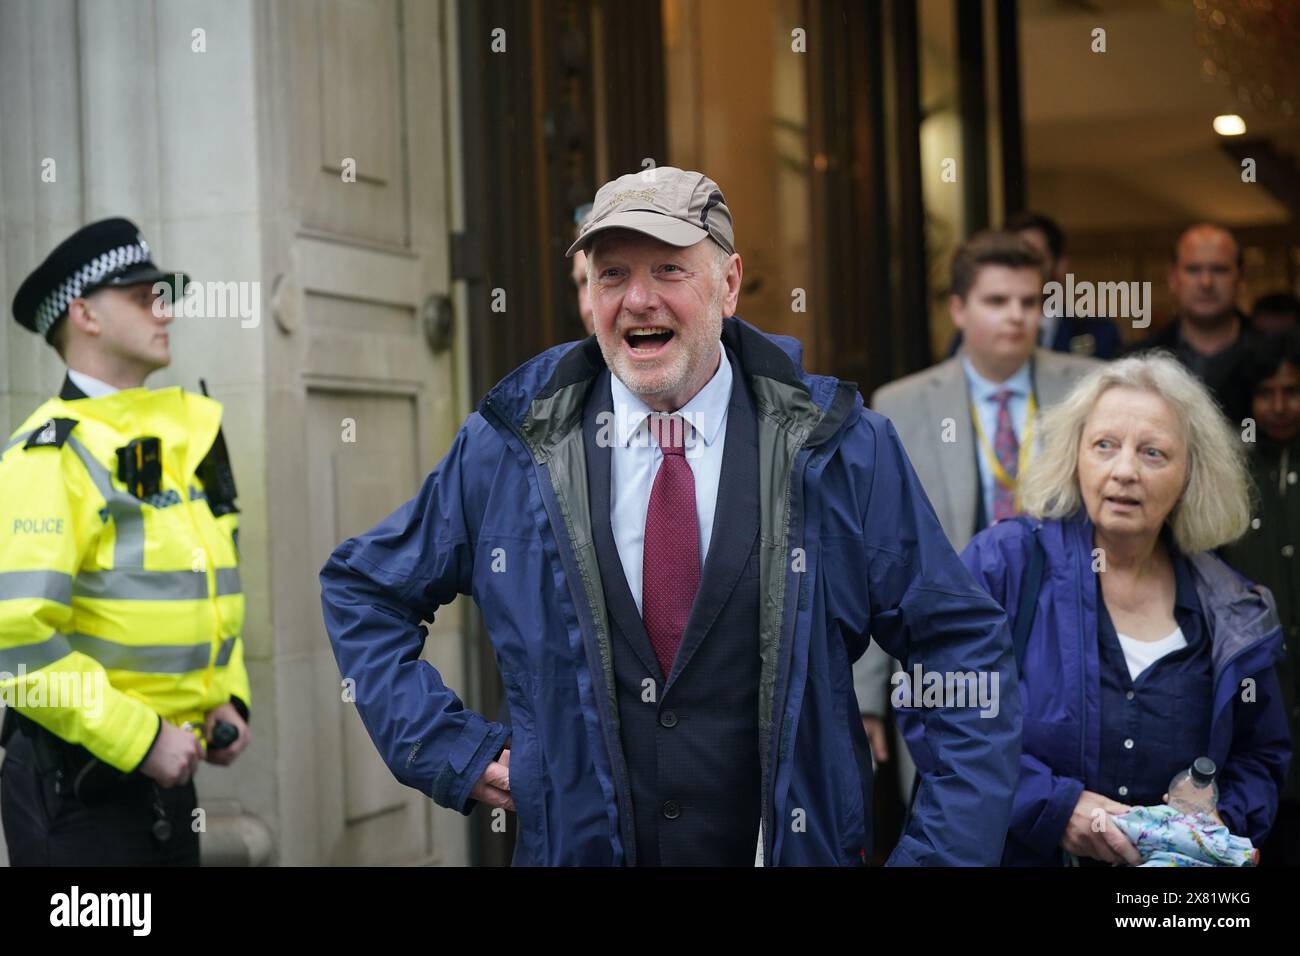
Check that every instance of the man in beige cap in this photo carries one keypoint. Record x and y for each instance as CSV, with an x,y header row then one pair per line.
x,y
676,659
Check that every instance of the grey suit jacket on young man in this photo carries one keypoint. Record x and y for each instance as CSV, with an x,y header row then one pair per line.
x,y
922,407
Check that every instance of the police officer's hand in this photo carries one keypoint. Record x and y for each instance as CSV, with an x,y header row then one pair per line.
x,y
226,755
1090,833
172,758
493,788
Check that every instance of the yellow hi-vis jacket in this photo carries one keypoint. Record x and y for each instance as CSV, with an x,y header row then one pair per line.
x,y
116,611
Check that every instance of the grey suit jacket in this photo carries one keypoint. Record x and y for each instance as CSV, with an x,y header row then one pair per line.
x,y
925,408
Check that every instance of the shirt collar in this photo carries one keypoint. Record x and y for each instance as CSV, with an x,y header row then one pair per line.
x,y
705,411
982,389
92,386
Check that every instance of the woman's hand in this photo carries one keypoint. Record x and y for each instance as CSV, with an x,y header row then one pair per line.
x,y
1089,833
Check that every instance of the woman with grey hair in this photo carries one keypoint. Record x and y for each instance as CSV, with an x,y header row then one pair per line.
x,y
1139,649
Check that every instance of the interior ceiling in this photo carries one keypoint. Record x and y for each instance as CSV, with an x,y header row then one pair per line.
x,y
1140,113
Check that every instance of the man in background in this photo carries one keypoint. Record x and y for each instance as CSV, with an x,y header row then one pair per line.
x,y
1275,314
1097,338
969,423
1208,334
578,271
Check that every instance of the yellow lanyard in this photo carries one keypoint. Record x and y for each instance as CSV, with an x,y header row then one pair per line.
x,y
1026,443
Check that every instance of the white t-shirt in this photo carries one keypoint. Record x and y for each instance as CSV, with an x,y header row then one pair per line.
x,y
1139,655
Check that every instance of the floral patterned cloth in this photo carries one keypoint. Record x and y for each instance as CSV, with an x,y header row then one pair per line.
x,y
1166,837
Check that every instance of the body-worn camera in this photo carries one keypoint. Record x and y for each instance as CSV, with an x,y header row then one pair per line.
x,y
139,466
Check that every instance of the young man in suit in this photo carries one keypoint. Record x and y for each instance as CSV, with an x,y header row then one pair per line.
x,y
969,424
1093,337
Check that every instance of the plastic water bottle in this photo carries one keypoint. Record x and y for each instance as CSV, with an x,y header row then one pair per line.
x,y
1193,790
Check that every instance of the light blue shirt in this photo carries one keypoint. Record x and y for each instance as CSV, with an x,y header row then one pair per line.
x,y
981,392
635,459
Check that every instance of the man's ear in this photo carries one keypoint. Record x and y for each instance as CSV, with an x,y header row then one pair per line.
x,y
957,310
82,317
735,272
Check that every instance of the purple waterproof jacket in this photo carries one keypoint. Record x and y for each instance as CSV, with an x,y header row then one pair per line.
x,y
1060,683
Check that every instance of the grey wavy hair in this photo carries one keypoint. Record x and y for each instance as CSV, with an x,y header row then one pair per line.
x,y
1214,508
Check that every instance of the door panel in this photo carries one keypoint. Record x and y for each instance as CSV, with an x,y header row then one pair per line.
x,y
364,407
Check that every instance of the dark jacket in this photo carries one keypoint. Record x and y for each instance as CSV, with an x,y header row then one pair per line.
x,y
1267,555
1222,373
850,547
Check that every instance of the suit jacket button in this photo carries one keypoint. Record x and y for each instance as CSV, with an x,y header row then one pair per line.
x,y
668,719
671,810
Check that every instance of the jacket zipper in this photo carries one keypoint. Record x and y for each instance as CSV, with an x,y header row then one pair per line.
x,y
602,698
780,701
781,689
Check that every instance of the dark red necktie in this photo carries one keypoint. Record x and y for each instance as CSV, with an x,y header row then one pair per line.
x,y
670,571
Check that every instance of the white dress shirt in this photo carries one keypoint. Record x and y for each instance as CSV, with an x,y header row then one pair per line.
x,y
93,387
635,458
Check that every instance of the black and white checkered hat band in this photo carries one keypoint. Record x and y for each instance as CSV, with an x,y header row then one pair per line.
x,y
93,272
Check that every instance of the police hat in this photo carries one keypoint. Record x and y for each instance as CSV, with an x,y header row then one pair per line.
x,y
111,252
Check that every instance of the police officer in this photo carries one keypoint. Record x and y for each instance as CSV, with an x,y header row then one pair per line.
x,y
121,662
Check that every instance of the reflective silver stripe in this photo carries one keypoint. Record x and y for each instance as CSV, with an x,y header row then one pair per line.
x,y
227,648
45,585
18,440
128,522
144,658
132,584
33,657
227,581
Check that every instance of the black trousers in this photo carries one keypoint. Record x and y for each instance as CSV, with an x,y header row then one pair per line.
x,y
45,826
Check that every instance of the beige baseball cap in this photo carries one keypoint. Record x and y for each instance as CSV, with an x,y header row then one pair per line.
x,y
676,206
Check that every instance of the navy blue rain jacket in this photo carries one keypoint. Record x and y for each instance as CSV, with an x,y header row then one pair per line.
x,y
850,548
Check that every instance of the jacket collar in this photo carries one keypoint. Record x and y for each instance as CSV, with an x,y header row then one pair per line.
x,y
526,399
70,392
186,423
